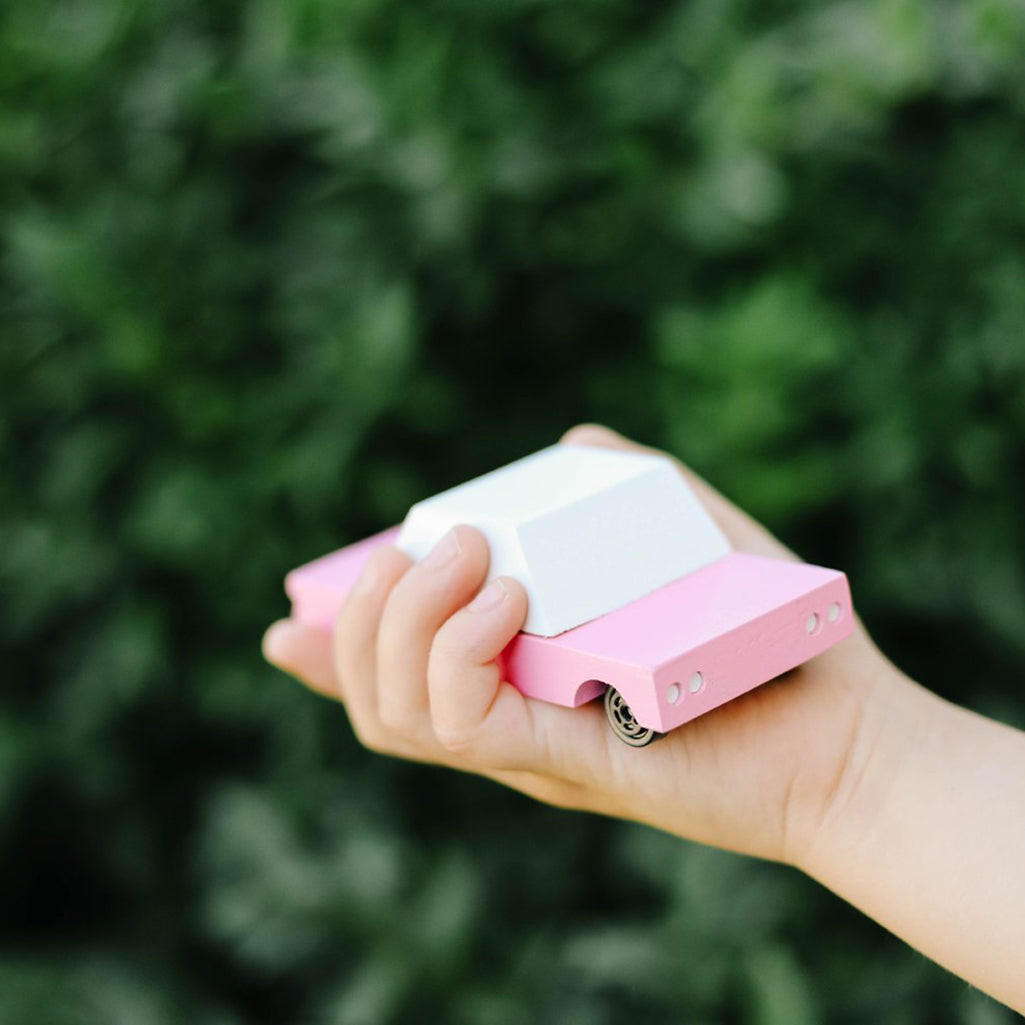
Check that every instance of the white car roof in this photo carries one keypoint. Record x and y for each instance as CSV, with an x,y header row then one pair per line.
x,y
586,530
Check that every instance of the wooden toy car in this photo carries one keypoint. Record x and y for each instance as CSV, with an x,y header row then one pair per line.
x,y
634,592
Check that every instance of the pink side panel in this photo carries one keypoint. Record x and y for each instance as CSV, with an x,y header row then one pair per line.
x,y
568,677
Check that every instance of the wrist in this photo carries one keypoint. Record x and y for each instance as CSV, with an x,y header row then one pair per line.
x,y
889,718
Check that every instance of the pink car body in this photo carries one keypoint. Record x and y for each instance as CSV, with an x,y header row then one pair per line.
x,y
673,654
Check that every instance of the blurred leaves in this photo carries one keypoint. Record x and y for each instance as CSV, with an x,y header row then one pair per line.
x,y
743,369
269,273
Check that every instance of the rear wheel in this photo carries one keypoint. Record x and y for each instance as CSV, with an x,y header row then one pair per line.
x,y
623,723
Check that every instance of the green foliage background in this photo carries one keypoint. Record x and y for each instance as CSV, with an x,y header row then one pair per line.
x,y
272,271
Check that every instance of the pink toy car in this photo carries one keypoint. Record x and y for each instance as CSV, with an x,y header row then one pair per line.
x,y
634,592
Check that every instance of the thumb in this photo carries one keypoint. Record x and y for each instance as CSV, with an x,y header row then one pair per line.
x,y
599,436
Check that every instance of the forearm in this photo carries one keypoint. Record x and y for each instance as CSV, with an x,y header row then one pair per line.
x,y
926,834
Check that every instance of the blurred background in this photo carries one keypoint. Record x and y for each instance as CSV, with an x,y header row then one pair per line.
x,y
271,272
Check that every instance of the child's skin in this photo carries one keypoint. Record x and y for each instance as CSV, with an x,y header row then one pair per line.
x,y
910,808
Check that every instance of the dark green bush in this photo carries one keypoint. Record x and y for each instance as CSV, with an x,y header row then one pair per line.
x,y
270,272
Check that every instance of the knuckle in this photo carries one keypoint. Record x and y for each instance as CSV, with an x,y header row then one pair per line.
x,y
446,651
395,611
461,642
347,642
395,718
411,605
372,737
458,740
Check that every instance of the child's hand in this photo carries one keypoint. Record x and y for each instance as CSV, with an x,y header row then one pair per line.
x,y
413,661
907,806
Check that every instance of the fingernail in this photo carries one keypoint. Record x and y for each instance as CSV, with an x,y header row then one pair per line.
x,y
490,597
443,552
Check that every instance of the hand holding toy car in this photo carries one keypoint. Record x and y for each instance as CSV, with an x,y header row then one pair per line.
x,y
844,767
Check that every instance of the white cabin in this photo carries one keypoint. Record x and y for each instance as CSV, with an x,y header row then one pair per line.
x,y
586,530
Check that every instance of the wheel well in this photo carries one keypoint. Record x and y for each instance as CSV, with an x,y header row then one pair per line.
x,y
588,691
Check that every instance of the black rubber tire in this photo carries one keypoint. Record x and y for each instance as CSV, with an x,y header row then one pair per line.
x,y
623,723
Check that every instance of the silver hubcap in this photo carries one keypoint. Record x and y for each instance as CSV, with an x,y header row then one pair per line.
x,y
623,723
